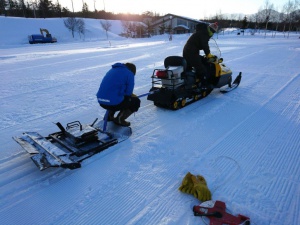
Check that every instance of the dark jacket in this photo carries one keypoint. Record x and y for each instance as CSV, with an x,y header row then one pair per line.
x,y
117,83
198,41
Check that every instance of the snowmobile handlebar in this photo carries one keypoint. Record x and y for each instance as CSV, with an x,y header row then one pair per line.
x,y
214,59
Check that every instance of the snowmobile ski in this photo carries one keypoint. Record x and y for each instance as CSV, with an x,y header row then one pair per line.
x,y
232,86
71,145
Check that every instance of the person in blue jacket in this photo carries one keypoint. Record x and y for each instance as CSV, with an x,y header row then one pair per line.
x,y
116,93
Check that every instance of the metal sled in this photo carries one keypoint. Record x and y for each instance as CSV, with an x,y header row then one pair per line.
x,y
73,144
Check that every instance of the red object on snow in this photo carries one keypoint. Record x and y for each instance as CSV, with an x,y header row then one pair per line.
x,y
216,212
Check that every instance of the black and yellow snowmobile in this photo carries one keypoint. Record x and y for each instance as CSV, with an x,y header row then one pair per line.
x,y
175,86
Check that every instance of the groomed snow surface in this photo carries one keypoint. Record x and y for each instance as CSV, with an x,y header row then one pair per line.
x,y
245,143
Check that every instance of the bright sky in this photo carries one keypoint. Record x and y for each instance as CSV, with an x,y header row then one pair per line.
x,y
196,9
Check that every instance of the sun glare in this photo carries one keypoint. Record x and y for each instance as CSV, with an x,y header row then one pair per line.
x,y
119,6
188,8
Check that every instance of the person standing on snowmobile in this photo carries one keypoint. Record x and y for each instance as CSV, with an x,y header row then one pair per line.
x,y
116,93
199,41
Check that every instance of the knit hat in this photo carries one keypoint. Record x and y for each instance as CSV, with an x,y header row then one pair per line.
x,y
131,67
213,27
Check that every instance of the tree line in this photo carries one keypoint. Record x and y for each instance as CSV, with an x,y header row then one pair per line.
x,y
52,8
132,29
268,16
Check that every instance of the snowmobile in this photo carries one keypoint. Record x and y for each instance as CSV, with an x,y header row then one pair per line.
x,y
175,85
72,144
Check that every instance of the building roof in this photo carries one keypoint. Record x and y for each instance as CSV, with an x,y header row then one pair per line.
x,y
183,17
173,15
182,26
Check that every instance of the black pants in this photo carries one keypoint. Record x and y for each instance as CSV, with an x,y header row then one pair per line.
x,y
129,102
196,61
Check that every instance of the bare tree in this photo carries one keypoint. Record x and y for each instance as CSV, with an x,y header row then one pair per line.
x,y
277,17
132,29
106,26
258,17
162,28
149,28
266,14
218,16
71,23
80,27
74,24
289,8
126,25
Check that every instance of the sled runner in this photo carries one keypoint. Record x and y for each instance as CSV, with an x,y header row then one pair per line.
x,y
68,147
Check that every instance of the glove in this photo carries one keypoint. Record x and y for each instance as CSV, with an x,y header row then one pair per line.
x,y
133,95
210,57
187,185
195,185
127,98
201,190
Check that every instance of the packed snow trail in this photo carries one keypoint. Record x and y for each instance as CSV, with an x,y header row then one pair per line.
x,y
245,143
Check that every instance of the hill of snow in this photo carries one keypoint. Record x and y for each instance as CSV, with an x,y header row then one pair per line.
x,y
16,29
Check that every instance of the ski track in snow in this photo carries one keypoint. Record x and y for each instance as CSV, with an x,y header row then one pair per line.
x,y
136,181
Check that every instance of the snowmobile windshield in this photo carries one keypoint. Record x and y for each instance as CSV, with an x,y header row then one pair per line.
x,y
214,48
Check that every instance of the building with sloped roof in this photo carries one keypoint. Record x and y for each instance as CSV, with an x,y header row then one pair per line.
x,y
174,24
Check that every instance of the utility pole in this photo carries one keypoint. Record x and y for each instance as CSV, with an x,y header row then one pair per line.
x,y
72,6
171,28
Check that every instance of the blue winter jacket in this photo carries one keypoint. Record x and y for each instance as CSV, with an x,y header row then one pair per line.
x,y
117,83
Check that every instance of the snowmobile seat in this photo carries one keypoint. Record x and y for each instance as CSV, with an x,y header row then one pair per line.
x,y
175,61
180,61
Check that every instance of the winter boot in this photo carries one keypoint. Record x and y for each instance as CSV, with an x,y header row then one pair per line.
x,y
111,115
121,118
205,84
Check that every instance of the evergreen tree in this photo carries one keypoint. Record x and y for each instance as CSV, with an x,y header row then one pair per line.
x,y
57,10
46,8
85,10
245,23
22,7
3,5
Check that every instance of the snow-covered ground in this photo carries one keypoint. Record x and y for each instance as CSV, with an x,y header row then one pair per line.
x,y
245,143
